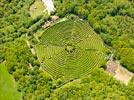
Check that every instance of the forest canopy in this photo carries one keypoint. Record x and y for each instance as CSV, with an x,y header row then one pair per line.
x,y
31,68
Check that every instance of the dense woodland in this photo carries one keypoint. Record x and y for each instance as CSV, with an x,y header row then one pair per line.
x,y
113,20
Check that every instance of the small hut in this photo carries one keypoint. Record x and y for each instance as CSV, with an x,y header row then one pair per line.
x,y
47,24
54,18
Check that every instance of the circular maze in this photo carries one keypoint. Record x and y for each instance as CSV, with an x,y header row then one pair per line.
x,y
71,49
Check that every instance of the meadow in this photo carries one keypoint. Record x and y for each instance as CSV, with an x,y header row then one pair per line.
x,y
37,8
8,89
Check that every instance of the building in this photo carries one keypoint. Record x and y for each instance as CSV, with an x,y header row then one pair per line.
x,y
54,18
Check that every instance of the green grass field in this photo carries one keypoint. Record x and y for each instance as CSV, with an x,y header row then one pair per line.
x,y
70,49
37,8
8,89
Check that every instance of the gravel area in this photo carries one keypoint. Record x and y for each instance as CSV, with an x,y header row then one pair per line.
x,y
49,5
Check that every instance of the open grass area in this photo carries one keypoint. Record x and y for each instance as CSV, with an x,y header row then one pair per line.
x,y
37,8
38,33
8,89
70,49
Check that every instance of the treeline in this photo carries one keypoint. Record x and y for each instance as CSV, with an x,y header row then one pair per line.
x,y
36,84
97,86
112,19
24,68
32,81
16,21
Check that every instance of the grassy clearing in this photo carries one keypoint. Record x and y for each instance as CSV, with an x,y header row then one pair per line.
x,y
38,33
37,8
8,89
61,20
84,53
119,72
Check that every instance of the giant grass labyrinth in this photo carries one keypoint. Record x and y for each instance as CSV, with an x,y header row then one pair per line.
x,y
70,49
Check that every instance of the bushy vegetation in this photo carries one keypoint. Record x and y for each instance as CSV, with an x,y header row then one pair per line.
x,y
97,86
34,83
24,67
16,21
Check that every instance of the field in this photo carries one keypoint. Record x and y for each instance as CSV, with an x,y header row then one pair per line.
x,y
37,8
70,51
8,89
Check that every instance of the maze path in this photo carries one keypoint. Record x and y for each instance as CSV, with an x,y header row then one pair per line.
x,y
87,53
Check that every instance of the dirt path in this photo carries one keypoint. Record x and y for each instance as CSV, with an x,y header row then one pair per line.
x,y
118,72
123,75
32,49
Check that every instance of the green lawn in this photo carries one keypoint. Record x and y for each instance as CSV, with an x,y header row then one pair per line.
x,y
37,8
8,89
